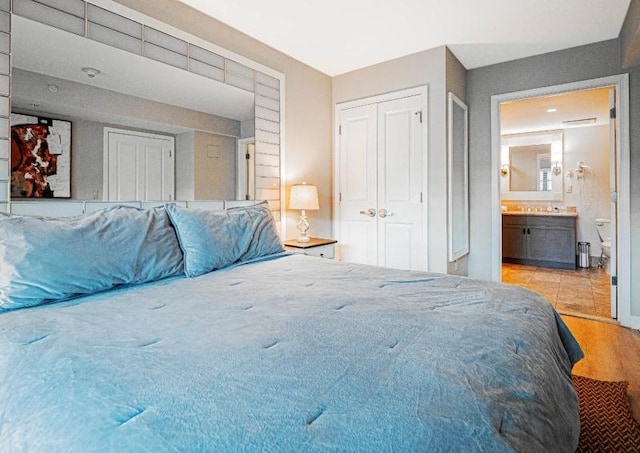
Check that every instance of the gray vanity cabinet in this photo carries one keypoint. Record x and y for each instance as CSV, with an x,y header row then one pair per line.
x,y
546,241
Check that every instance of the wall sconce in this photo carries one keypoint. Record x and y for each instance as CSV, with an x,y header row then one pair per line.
x,y
303,196
557,169
579,171
504,170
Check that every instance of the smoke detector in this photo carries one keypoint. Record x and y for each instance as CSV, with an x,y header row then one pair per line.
x,y
91,72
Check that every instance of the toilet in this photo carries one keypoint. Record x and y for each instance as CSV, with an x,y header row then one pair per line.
x,y
604,234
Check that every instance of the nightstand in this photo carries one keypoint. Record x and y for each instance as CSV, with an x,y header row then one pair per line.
x,y
323,248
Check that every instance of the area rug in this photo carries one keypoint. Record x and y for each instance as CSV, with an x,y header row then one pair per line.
x,y
606,421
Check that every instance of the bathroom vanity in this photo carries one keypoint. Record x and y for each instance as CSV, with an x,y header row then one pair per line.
x,y
539,239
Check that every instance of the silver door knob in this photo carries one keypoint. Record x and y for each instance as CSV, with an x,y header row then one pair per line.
x,y
369,212
384,213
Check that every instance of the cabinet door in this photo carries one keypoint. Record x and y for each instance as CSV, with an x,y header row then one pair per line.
x,y
547,243
513,241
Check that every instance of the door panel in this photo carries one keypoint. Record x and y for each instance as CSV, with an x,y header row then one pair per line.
x,y
399,238
355,236
153,181
357,185
400,173
123,167
550,244
513,241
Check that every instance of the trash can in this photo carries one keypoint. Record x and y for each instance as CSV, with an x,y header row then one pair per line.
x,y
584,249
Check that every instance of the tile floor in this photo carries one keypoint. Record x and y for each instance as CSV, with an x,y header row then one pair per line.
x,y
577,292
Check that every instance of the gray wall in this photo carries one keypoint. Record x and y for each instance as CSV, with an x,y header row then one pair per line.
x,y
630,36
185,158
571,65
87,143
214,167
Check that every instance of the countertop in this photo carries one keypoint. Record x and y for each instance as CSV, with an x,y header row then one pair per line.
x,y
542,213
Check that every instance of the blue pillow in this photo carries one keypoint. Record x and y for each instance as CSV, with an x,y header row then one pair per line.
x,y
212,240
48,259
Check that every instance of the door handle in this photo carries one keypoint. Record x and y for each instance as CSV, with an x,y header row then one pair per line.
x,y
384,213
369,212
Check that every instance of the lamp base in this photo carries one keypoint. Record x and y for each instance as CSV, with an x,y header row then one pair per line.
x,y
303,227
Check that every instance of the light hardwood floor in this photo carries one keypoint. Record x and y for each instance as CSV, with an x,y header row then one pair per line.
x,y
612,353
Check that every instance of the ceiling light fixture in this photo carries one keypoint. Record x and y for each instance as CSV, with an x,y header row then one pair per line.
x,y
91,72
552,109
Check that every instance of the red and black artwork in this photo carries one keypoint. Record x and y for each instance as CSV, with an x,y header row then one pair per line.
x,y
40,157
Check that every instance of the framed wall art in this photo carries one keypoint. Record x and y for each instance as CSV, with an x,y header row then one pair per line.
x,y
40,157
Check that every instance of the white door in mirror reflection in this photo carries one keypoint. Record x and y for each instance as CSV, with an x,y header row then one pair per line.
x,y
139,166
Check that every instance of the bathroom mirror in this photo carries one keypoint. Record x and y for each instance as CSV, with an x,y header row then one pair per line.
x,y
531,167
130,92
457,178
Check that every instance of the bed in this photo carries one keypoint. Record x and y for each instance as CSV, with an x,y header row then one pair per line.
x,y
178,346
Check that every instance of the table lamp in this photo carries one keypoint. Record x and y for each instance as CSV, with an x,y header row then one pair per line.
x,y
304,197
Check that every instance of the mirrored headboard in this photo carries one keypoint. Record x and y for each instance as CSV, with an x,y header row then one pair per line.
x,y
137,45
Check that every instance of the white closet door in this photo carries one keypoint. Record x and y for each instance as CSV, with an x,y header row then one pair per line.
x,y
139,166
401,238
380,183
358,185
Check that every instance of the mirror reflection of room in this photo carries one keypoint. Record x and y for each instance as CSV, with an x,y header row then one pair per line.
x,y
206,120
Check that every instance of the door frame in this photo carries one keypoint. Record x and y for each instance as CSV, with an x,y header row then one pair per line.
x,y
243,178
623,228
390,96
105,154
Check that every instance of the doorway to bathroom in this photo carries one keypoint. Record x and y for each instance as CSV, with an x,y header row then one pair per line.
x,y
558,166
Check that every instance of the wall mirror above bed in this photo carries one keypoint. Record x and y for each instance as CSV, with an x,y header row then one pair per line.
x,y
105,66
531,166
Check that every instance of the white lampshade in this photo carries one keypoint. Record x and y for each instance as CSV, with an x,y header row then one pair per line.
x,y
304,196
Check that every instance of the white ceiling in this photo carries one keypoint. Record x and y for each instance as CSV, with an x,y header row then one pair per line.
x,y
337,36
531,115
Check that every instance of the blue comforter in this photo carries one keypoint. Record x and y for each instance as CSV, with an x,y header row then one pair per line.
x,y
291,354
